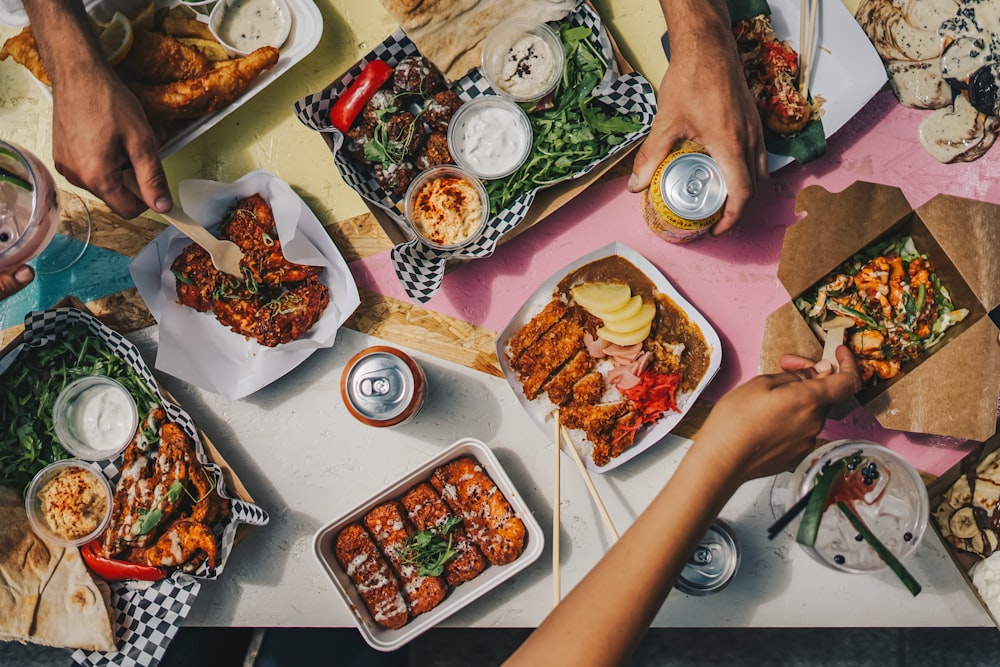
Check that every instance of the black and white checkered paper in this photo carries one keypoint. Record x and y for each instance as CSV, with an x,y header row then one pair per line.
x,y
419,267
146,614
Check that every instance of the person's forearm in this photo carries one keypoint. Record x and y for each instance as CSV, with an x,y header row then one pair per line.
x,y
635,576
692,24
66,41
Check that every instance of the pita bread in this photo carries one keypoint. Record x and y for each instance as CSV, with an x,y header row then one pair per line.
x,y
450,33
47,596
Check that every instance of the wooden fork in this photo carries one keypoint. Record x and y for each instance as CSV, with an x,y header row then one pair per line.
x,y
225,255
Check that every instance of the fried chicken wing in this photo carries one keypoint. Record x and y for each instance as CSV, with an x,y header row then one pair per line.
x,y
197,278
289,315
158,58
185,544
24,50
219,86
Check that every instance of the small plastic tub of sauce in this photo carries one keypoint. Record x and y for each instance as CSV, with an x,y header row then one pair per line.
x,y
490,136
95,417
522,59
383,386
69,503
242,26
447,207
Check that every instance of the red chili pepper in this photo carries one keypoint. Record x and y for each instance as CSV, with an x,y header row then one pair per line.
x,y
352,101
110,569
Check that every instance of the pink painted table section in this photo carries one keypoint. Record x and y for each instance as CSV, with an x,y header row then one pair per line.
x,y
731,279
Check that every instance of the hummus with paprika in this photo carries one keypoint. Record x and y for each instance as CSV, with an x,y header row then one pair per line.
x,y
447,210
73,503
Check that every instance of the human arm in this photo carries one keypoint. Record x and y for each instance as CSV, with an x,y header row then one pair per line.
x,y
99,130
761,428
14,280
704,97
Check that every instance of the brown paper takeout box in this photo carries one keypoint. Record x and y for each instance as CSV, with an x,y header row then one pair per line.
x,y
935,492
953,389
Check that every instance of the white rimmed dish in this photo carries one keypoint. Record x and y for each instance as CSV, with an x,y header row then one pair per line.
x,y
241,26
33,502
93,408
540,408
469,230
510,59
490,136
383,639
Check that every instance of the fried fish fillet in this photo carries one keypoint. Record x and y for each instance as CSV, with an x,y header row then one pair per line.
x,y
371,576
489,519
157,58
389,526
23,49
193,98
428,511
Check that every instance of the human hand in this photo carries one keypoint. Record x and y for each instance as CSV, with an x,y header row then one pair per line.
x,y
99,136
768,424
704,97
13,280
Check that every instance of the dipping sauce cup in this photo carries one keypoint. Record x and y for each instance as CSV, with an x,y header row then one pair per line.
x,y
69,503
242,26
95,417
447,207
522,59
490,136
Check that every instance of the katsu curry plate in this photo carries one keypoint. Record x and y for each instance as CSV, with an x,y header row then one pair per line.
x,y
609,347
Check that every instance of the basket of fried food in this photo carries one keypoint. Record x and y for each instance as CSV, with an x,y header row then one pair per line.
x,y
170,60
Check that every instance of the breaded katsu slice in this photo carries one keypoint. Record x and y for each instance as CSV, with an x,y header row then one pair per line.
x,y
428,511
390,528
369,572
588,390
560,386
552,350
600,423
527,335
489,519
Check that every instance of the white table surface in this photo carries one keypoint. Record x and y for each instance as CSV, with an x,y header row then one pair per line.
x,y
306,460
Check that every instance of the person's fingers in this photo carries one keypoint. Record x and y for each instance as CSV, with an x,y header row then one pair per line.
x,y
149,175
121,194
14,280
654,149
739,186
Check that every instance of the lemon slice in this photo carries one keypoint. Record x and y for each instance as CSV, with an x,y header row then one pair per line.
x,y
116,38
145,18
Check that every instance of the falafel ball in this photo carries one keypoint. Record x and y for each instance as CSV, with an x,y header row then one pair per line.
x,y
383,98
394,178
405,135
441,108
355,140
434,152
416,75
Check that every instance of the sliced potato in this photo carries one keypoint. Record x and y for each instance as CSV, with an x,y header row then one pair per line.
x,y
638,321
603,297
210,48
630,308
625,338
146,18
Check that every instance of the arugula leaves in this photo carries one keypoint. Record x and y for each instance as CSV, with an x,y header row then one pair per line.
x,y
574,132
28,390
428,549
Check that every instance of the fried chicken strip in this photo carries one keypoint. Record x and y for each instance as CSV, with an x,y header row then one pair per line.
x,y
193,98
24,50
157,58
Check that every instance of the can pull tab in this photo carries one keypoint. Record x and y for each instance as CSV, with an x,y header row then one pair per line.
x,y
701,556
697,181
377,385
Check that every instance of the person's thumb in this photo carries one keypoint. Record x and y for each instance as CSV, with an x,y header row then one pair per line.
x,y
14,280
656,146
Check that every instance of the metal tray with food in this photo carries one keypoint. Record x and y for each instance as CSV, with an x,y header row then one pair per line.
x,y
182,74
616,348
393,577
175,507
599,80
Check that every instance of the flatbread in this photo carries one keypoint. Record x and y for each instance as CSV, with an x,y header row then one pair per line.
x,y
450,33
47,596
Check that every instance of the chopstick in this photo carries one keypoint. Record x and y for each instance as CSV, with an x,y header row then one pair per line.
x,y
590,485
556,585
807,37
787,517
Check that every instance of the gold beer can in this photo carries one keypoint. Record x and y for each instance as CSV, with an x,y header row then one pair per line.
x,y
685,196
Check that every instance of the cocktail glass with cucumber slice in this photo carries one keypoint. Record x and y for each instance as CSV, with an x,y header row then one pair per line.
x,y
867,510
32,226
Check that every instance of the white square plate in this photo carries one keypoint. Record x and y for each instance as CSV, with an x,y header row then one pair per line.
x,y
384,639
540,408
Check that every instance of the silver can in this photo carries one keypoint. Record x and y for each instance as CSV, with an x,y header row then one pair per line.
x,y
713,564
686,195
383,386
